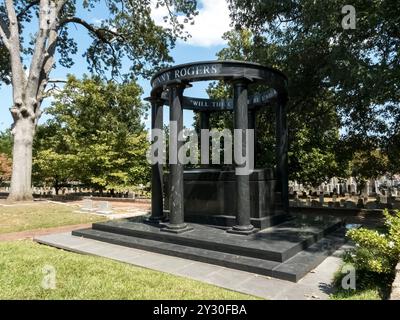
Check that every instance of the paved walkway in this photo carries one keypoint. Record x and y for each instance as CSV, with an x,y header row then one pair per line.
x,y
314,286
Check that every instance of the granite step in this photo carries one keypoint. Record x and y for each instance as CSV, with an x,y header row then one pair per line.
x,y
278,243
292,270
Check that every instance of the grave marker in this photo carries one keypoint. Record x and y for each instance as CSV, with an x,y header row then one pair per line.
x,y
87,205
104,207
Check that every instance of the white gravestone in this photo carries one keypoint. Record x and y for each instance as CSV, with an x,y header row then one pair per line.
x,y
104,207
87,205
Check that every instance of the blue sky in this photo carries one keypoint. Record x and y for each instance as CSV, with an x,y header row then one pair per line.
x,y
206,41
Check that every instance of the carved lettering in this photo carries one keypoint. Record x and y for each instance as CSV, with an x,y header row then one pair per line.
x,y
190,71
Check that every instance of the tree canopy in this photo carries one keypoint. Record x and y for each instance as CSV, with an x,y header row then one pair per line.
x,y
36,36
343,83
94,136
313,121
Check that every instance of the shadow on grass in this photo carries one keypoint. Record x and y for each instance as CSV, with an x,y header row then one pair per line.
x,y
369,286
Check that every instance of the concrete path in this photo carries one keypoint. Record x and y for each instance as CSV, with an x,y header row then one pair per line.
x,y
314,286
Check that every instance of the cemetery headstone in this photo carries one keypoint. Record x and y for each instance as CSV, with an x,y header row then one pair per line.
x,y
131,195
87,205
383,199
104,207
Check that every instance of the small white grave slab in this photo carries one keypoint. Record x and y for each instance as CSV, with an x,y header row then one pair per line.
x,y
104,207
87,205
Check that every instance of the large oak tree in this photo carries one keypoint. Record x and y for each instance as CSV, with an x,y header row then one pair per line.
x,y
128,32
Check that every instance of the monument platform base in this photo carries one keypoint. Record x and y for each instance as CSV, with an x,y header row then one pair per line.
x,y
286,251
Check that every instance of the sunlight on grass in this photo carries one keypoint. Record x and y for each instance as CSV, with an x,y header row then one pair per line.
x,y
367,294
41,215
89,277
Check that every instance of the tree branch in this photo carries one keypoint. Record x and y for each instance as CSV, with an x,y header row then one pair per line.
x,y
12,17
39,54
98,32
18,75
4,33
43,56
58,81
27,8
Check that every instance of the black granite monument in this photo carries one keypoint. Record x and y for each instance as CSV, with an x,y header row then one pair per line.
x,y
216,197
214,215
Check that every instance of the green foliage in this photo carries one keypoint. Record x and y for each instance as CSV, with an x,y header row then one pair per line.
x,y
6,142
337,78
94,136
5,155
375,251
374,258
127,33
313,120
393,151
315,166
4,65
52,168
368,164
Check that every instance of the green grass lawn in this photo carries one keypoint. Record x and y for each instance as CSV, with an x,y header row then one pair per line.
x,y
368,287
89,277
41,215
367,294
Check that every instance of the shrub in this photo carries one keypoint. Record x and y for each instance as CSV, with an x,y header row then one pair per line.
x,y
374,251
374,257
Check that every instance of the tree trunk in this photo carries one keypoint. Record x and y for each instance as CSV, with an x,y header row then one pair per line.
x,y
21,180
56,187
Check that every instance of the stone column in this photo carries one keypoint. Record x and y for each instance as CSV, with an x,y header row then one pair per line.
x,y
252,116
204,119
243,223
204,124
176,210
157,212
282,151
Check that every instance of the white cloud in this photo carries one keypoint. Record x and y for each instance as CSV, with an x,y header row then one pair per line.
x,y
210,24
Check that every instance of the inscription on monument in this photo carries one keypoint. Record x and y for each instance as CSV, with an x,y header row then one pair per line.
x,y
186,72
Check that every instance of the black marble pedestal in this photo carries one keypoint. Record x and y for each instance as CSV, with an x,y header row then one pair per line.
x,y
210,198
287,251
